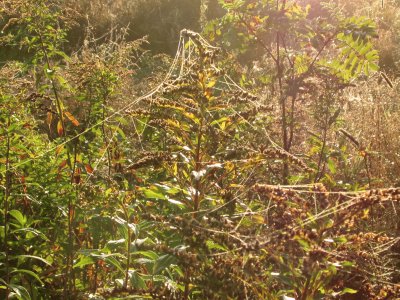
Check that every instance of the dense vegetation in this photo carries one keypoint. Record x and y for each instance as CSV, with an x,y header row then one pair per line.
x,y
230,149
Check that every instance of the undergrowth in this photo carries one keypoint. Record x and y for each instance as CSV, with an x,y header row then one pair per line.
x,y
131,176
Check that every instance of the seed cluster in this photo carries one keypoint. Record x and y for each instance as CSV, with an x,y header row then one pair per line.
x,y
150,159
279,153
242,96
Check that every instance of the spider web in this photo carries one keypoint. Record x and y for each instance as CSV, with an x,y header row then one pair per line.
x,y
185,59
190,45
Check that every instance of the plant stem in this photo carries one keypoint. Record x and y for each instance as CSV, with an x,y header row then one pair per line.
x,y
71,212
285,170
305,290
187,290
53,85
320,172
196,201
103,129
128,245
69,267
367,169
6,208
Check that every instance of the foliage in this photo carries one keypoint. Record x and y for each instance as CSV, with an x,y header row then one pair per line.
x,y
128,175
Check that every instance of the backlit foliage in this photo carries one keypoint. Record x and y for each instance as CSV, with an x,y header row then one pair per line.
x,y
241,168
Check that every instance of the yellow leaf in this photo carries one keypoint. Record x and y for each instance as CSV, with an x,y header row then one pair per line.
x,y
258,219
59,149
363,153
208,93
211,84
60,129
49,119
71,118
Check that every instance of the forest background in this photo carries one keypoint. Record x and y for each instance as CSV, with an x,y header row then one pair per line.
x,y
194,149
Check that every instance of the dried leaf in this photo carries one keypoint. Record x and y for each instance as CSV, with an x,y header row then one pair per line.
x,y
62,165
71,118
49,119
89,169
77,176
60,129
59,149
71,214
363,153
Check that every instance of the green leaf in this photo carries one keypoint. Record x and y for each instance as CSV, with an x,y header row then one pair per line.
x,y
234,4
212,245
28,272
303,243
340,239
153,193
150,254
374,67
19,291
17,215
162,263
332,166
348,291
177,203
137,280
23,256
116,242
114,262
84,261
301,64
347,264
32,231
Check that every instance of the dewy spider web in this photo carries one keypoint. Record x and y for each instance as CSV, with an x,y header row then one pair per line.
x,y
111,116
187,58
184,69
188,55
189,43
181,66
